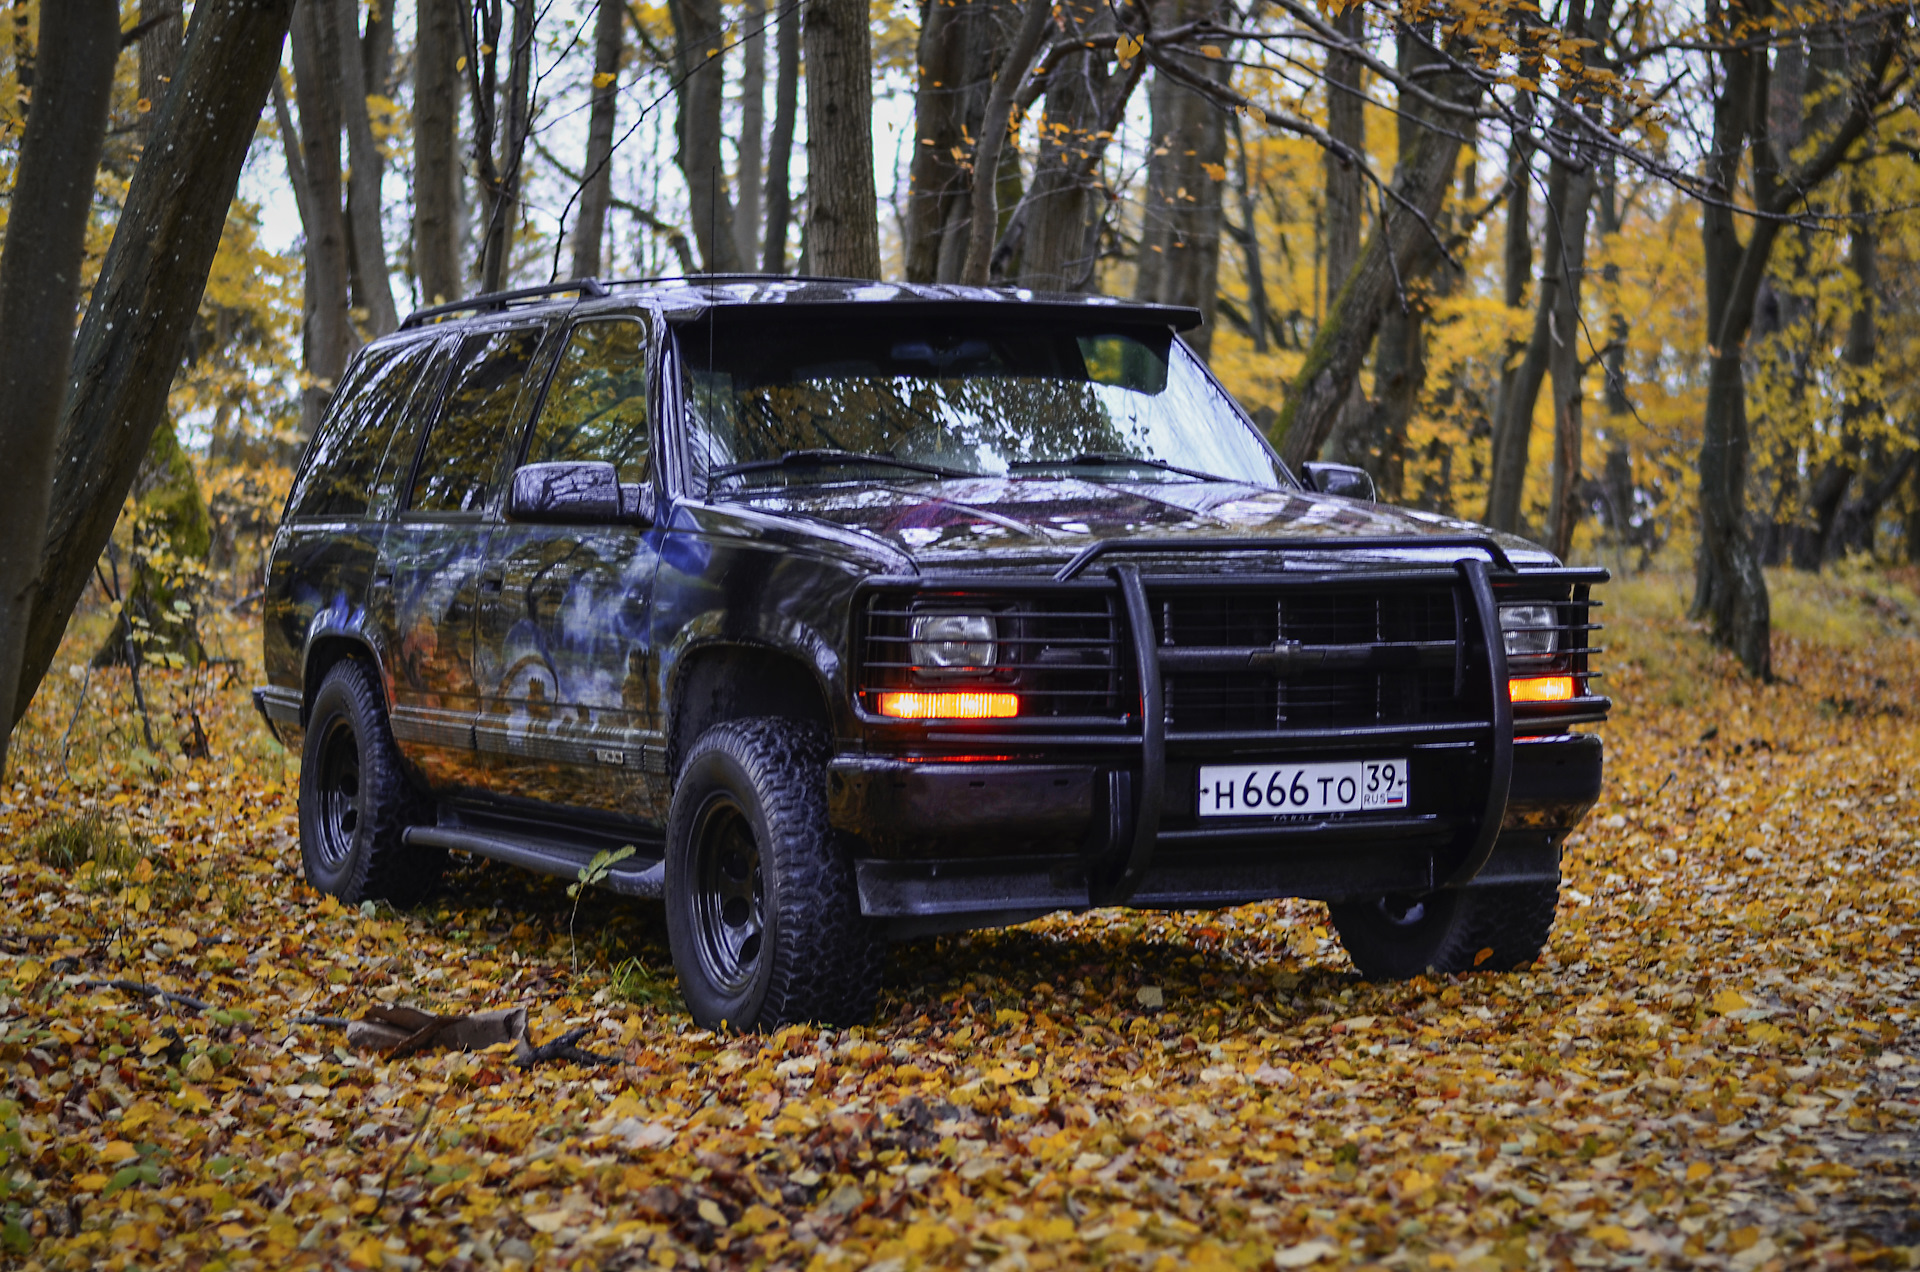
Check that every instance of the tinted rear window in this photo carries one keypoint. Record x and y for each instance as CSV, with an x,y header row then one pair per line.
x,y
338,475
463,453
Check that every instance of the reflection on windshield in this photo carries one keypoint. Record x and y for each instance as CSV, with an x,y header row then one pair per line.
x,y
1031,402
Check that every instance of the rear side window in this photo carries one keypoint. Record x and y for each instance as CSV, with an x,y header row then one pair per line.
x,y
340,468
597,407
462,455
413,415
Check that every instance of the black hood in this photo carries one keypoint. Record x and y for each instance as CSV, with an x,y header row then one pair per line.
x,y
1033,521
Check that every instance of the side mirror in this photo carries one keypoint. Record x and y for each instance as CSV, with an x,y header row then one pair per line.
x,y
571,492
1339,479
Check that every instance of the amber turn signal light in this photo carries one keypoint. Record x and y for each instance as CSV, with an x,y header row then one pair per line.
x,y
1541,689
912,705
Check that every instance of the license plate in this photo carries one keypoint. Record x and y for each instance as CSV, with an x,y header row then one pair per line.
x,y
1263,790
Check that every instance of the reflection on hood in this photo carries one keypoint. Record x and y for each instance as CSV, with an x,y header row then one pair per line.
x,y
1054,518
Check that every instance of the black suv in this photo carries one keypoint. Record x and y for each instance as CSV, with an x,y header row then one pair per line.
x,y
866,611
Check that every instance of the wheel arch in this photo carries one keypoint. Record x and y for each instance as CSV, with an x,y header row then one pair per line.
x,y
715,683
326,652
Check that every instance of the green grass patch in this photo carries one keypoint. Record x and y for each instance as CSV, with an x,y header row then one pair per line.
x,y
71,842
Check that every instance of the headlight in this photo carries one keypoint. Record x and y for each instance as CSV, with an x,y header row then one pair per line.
x,y
1530,631
952,642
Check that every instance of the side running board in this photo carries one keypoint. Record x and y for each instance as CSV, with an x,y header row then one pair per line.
x,y
630,878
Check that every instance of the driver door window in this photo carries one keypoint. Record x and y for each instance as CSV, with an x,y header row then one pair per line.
x,y
597,405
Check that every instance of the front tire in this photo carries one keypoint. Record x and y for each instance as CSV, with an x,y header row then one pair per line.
x,y
1491,929
763,914
356,800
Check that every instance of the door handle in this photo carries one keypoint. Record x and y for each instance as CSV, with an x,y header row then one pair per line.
x,y
383,578
490,582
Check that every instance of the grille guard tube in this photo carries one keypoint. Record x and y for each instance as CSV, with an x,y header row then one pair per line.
x,y
1500,778
1358,543
1153,745
1119,885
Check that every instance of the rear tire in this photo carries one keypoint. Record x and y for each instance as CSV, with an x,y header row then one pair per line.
x,y
763,914
1393,938
356,800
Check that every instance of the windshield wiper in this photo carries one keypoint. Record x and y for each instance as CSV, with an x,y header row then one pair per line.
x,y
830,458
1113,459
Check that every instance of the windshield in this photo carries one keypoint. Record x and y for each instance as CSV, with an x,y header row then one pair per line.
x,y
772,403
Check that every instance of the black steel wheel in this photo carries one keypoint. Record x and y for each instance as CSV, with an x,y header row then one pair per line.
x,y
356,800
763,914
337,820
730,896
1490,929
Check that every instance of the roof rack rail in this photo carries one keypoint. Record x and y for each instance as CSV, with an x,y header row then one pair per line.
x,y
590,287
742,276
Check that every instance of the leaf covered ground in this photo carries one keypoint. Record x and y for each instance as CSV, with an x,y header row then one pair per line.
x,y
1717,1063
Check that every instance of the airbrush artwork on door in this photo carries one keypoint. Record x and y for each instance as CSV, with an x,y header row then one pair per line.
x,y
562,643
433,556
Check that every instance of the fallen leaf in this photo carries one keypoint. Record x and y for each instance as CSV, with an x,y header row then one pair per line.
x,y
1299,1256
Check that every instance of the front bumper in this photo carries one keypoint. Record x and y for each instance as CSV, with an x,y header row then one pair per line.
x,y
955,845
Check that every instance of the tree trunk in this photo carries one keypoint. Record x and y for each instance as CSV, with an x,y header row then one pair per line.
x,y
1913,521
1566,365
1378,444
1814,545
1186,170
1372,435
961,42
1731,590
983,218
1052,241
1617,478
142,308
327,338
596,181
786,109
170,523
374,289
843,219
436,170
1404,248
1554,346
1344,210
1563,509
376,52
1569,195
1854,525
501,171
1247,233
753,127
699,35
160,46
1517,264
46,236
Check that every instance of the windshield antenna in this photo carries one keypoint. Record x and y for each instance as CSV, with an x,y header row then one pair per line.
x,y
713,246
